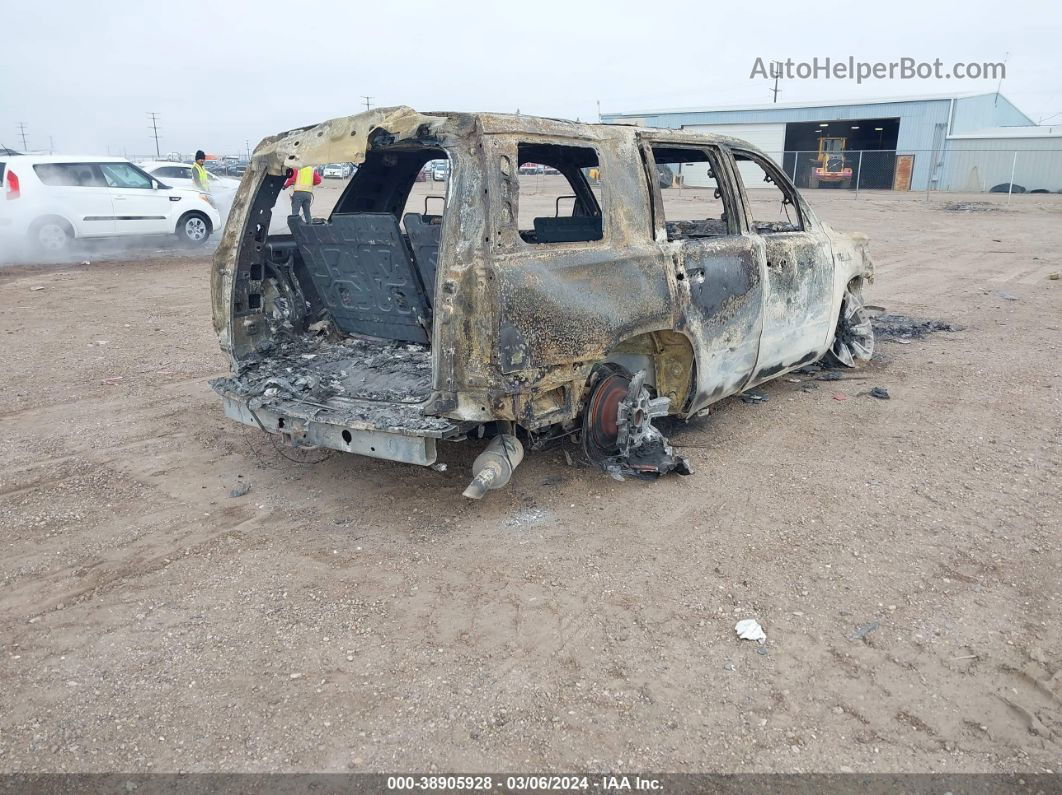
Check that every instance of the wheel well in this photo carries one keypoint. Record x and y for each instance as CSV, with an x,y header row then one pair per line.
x,y
45,218
674,364
200,214
855,284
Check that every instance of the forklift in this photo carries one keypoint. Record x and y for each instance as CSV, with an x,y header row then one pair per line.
x,y
830,166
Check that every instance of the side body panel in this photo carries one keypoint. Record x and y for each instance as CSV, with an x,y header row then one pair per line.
x,y
141,211
562,307
90,209
719,286
798,316
721,309
87,206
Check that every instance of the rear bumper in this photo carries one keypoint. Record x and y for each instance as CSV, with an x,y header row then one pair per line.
x,y
372,443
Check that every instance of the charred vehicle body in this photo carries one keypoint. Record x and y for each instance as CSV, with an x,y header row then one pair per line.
x,y
384,329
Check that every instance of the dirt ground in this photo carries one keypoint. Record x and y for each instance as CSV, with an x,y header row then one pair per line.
x,y
359,614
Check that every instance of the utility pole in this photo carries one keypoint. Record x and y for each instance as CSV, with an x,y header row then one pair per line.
x,y
599,111
22,132
247,144
155,130
368,101
1002,74
776,69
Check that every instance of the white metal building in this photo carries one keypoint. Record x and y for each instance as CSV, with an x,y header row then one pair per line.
x,y
1027,156
919,137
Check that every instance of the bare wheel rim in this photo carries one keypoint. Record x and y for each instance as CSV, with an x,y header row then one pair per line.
x,y
195,229
52,237
854,340
602,409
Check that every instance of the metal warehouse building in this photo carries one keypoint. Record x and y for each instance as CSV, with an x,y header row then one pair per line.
x,y
947,142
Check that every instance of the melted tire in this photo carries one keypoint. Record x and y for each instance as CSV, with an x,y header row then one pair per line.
x,y
853,340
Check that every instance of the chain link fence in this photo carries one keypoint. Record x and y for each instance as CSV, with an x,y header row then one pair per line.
x,y
956,169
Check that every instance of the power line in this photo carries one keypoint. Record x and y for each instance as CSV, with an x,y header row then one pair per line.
x,y
155,129
368,101
22,132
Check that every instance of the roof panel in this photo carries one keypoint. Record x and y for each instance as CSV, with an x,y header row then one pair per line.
x,y
826,103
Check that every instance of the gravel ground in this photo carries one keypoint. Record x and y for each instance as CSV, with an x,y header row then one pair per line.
x,y
903,556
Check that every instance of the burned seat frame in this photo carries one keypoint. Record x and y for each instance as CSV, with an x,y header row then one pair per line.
x,y
365,275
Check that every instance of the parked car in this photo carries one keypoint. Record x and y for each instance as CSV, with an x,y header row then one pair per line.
x,y
338,171
179,175
440,171
530,168
53,199
526,328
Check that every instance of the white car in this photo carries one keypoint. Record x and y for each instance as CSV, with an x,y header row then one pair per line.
x,y
340,170
179,175
52,199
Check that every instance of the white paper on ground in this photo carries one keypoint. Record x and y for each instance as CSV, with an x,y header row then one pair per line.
x,y
750,629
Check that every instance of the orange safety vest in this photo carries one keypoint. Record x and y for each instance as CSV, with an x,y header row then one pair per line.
x,y
304,179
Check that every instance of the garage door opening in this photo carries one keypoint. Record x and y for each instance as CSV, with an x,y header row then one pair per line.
x,y
769,138
835,146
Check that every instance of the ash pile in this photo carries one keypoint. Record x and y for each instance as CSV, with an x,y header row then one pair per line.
x,y
317,368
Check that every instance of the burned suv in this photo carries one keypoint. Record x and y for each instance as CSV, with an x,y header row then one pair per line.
x,y
578,303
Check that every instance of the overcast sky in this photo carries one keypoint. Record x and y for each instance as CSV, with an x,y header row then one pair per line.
x,y
84,74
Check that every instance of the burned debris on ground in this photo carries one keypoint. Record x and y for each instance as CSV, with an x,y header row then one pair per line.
x,y
892,327
973,207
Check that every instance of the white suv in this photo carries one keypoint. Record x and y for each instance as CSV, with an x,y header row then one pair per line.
x,y
51,199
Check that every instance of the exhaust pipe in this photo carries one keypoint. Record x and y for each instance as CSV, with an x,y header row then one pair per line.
x,y
493,468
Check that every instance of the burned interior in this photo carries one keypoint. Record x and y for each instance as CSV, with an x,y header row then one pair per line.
x,y
581,219
553,289
681,221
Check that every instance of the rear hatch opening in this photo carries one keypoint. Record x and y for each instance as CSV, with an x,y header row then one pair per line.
x,y
340,309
